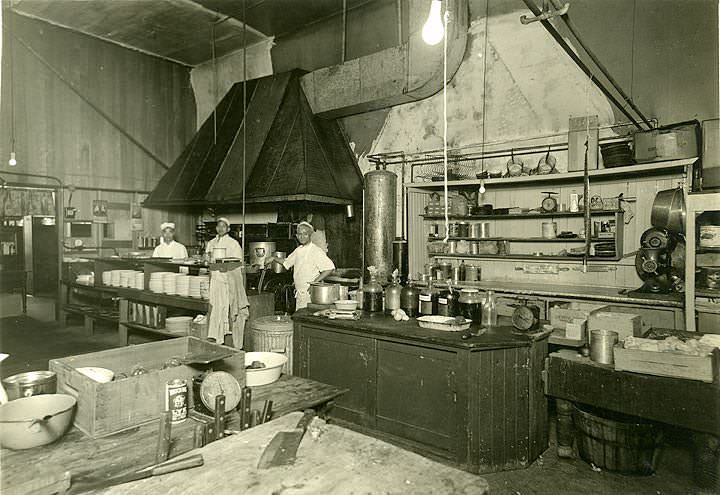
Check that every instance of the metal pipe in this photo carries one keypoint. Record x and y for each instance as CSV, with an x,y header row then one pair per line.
x,y
568,23
344,32
571,53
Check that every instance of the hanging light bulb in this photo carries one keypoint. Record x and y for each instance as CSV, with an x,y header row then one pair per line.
x,y
482,187
12,161
432,31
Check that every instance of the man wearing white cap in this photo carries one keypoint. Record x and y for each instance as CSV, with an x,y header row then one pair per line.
x,y
169,247
223,240
309,262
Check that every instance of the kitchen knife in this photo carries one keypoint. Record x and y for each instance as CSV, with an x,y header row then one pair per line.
x,y
282,449
155,470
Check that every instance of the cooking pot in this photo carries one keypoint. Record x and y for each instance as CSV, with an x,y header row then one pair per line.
x,y
668,210
261,250
30,383
323,293
32,421
276,266
219,253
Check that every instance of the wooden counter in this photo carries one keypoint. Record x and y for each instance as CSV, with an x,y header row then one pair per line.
x,y
336,460
477,404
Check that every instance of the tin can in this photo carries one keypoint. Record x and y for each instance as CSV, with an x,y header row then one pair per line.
x,y
176,400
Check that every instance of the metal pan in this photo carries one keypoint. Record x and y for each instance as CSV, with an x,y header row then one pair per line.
x,y
668,211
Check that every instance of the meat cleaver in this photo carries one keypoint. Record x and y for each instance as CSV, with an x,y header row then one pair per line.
x,y
282,449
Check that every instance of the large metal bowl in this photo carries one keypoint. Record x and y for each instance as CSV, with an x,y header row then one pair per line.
x,y
34,421
668,211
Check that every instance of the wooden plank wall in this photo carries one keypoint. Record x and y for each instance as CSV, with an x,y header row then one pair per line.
x,y
59,134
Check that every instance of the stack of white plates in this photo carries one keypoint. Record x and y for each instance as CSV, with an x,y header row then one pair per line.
x,y
204,286
195,286
115,278
182,285
169,286
139,280
127,278
107,277
178,324
156,282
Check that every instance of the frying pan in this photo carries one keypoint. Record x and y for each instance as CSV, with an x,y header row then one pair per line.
x,y
668,210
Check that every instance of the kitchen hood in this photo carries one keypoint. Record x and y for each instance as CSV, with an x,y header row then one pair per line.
x,y
289,153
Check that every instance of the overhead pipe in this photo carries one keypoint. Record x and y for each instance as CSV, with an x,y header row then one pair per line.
x,y
571,27
578,61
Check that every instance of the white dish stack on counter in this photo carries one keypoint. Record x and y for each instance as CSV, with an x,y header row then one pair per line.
x,y
182,285
156,282
178,324
133,279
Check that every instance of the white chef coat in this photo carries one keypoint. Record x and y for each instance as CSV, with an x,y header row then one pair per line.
x,y
308,260
232,247
172,250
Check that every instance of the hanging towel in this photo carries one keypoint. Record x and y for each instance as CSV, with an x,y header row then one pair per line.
x,y
229,306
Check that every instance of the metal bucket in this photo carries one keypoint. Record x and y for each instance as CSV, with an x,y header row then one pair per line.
x,y
273,334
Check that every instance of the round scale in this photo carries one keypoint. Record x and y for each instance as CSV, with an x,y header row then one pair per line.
x,y
549,204
220,383
525,318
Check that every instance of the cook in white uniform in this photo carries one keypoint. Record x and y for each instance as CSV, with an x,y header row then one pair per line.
x,y
169,247
310,264
223,240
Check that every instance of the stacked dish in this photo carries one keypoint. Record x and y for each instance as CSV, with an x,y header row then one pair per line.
x,y
195,286
139,281
106,278
156,282
182,285
204,286
178,324
169,286
115,278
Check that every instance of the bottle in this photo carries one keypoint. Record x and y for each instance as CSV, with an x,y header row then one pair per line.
x,y
359,295
448,302
428,300
372,294
409,299
489,310
392,294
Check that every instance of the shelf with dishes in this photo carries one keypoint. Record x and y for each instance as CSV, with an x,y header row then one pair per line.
x,y
643,169
526,239
522,257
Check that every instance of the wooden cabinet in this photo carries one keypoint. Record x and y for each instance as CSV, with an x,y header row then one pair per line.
x,y
476,404
346,361
417,396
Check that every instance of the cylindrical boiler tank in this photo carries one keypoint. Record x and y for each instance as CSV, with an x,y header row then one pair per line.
x,y
379,212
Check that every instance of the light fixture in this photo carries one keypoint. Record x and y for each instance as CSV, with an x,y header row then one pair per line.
x,y
482,187
12,161
432,31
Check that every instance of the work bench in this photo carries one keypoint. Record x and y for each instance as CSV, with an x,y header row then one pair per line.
x,y
80,460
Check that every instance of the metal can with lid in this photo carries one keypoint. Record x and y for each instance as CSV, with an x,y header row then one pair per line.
x,y
176,400
472,273
463,229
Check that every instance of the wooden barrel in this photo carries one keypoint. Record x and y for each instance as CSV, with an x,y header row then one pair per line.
x,y
616,442
273,334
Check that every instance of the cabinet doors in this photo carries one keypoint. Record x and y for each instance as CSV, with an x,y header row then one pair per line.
x,y
418,397
343,360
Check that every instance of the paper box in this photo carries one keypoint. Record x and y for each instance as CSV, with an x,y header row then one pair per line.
x,y
563,314
625,324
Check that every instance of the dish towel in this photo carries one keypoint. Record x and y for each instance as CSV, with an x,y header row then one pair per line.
x,y
229,306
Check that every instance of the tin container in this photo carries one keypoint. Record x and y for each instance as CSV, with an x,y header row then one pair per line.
x,y
474,248
601,346
447,270
472,273
453,230
176,400
549,230
457,274
463,229
30,383
452,247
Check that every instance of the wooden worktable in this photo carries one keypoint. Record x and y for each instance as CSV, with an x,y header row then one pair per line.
x,y
90,460
338,461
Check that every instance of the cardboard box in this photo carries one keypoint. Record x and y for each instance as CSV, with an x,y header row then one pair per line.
x,y
701,368
107,408
625,324
563,314
667,143
576,329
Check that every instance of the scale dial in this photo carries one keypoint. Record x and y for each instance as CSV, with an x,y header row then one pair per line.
x,y
549,204
220,383
524,318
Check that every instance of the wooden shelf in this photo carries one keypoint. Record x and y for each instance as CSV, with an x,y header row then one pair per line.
x,y
643,169
527,257
189,303
705,292
522,216
523,239
158,331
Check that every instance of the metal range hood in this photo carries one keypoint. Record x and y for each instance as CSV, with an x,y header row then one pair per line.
x,y
290,154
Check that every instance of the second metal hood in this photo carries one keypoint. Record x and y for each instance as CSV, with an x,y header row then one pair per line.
x,y
289,153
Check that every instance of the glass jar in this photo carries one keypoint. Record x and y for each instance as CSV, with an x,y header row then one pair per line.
x,y
373,296
392,296
489,310
409,301
471,304
448,304
428,300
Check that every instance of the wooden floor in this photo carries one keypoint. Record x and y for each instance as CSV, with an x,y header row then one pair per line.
x,y
31,343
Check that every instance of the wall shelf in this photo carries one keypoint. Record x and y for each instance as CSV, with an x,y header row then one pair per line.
x,y
521,216
523,239
527,257
627,171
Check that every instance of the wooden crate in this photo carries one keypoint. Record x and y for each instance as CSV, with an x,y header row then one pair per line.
x,y
702,368
625,324
107,408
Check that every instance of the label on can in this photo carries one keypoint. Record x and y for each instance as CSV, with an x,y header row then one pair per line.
x,y
425,297
442,300
176,400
